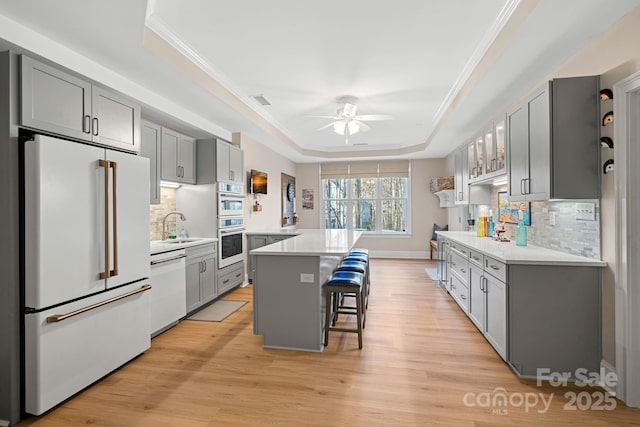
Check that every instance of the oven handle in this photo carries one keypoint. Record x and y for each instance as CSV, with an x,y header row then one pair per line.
x,y
231,230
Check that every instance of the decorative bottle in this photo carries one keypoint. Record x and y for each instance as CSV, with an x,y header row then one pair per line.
x,y
480,227
490,224
521,230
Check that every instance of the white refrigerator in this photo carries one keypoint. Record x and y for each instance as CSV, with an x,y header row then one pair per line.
x,y
86,265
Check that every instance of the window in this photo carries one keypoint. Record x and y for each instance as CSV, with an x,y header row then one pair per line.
x,y
370,204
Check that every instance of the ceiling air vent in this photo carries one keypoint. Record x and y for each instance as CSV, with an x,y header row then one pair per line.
x,y
262,100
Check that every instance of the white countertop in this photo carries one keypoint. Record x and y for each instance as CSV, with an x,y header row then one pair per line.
x,y
311,242
509,253
159,246
277,231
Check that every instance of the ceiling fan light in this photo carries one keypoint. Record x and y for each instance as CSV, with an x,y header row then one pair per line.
x,y
353,128
338,127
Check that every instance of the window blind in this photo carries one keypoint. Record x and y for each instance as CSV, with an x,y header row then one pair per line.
x,y
399,168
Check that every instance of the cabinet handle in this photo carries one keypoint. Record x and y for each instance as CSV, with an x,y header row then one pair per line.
x,y
460,198
95,126
496,166
494,267
205,265
463,296
463,270
225,281
232,175
527,186
453,286
482,283
522,186
238,275
86,124
200,270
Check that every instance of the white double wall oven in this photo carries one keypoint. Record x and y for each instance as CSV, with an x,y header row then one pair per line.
x,y
230,224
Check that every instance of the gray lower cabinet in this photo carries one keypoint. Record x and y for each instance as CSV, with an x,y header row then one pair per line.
x,y
255,241
534,316
230,277
553,149
59,102
151,148
201,275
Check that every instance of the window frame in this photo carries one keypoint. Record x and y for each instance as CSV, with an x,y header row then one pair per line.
x,y
351,201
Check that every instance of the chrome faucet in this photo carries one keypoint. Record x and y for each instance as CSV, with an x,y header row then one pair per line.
x,y
164,221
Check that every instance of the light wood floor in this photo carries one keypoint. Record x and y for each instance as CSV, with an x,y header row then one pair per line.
x,y
421,356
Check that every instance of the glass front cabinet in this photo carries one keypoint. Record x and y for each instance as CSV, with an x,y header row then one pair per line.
x,y
486,152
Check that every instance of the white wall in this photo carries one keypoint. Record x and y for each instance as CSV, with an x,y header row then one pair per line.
x,y
425,210
261,158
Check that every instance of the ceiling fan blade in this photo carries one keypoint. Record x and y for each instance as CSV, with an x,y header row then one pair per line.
x,y
361,125
349,110
327,125
327,117
374,117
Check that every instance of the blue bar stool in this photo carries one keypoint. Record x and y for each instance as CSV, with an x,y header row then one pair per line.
x,y
343,282
360,251
358,267
363,257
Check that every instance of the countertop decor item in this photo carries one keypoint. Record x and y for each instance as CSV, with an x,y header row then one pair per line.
x,y
606,94
605,141
608,166
607,119
441,183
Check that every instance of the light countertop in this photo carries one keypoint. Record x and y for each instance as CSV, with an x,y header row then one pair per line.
x,y
159,246
509,253
310,242
277,231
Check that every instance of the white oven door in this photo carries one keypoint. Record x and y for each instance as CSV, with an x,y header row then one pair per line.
x,y
231,247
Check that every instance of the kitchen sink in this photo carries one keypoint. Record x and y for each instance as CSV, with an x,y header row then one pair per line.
x,y
184,240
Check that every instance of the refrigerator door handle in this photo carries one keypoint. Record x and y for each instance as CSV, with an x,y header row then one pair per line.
x,y
114,198
60,317
107,271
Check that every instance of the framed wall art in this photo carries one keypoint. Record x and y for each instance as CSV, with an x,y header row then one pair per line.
x,y
508,211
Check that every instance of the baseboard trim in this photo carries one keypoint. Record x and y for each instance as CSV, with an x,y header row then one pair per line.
x,y
399,254
608,369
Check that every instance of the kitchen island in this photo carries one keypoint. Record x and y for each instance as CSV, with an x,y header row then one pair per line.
x,y
289,278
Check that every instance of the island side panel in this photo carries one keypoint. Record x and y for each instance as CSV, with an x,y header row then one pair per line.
x,y
554,318
289,311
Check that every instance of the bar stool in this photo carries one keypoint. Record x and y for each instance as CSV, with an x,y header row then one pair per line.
x,y
362,257
360,251
343,282
358,267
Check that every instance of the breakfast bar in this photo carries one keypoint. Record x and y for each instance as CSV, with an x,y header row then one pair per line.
x,y
289,279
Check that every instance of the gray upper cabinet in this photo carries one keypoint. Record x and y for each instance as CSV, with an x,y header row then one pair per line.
x,y
58,102
461,178
178,157
553,149
229,163
151,148
219,161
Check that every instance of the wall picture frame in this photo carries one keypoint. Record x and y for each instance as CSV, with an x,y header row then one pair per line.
x,y
508,211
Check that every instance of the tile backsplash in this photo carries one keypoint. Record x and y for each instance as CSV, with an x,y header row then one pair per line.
x,y
569,234
157,212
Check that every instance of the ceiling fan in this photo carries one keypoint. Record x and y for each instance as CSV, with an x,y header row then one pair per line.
x,y
347,122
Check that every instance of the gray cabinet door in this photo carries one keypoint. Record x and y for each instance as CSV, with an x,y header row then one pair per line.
x,y
208,287
518,152
187,159
170,144
193,269
223,171
461,178
236,166
54,101
477,296
496,314
537,185
115,120
150,147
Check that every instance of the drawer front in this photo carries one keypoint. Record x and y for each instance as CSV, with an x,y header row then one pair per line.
x,y
477,258
496,268
230,280
200,250
461,250
460,266
459,292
